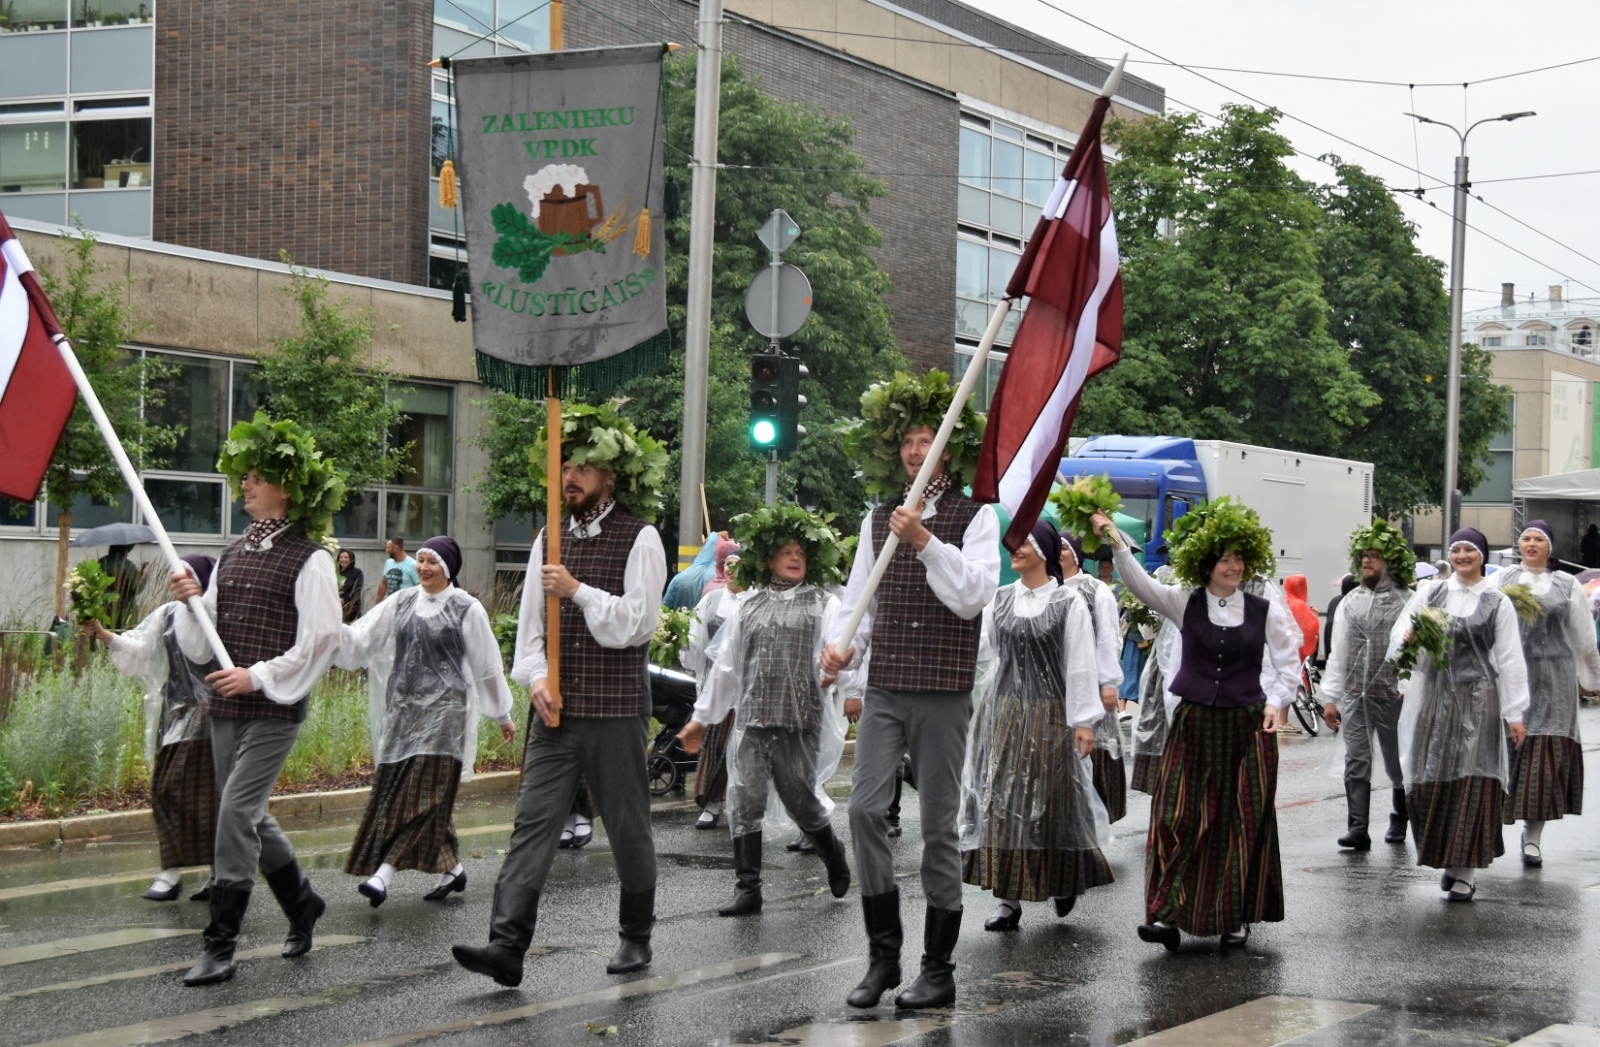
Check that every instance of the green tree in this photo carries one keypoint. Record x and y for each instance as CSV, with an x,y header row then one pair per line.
x,y
94,314
507,434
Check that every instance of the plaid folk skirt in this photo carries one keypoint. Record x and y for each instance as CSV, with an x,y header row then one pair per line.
x,y
1457,822
1546,779
1146,769
1211,860
711,776
183,799
1111,782
408,822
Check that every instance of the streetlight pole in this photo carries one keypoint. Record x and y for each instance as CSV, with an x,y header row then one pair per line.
x,y
1451,506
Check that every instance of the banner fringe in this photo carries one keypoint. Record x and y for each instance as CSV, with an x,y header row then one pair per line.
x,y
600,378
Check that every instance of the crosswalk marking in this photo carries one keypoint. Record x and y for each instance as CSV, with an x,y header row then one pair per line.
x,y
323,941
87,943
161,1029
1562,1036
1263,1022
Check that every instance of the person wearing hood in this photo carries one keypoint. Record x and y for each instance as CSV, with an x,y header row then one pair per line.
x,y
1452,749
697,657
1546,781
177,738
1296,592
1360,692
1110,779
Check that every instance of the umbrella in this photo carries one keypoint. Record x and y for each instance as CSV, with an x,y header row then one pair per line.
x,y
1425,570
1587,576
114,534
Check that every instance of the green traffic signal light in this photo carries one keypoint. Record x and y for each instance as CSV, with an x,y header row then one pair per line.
x,y
763,432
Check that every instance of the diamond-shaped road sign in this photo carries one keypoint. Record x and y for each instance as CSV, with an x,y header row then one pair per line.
x,y
778,232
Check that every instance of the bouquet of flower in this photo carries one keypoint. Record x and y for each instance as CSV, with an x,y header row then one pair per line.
x,y
1527,605
1430,634
1137,614
1078,501
672,634
91,589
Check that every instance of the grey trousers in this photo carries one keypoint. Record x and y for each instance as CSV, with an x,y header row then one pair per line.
x,y
1364,719
249,756
932,727
610,755
787,759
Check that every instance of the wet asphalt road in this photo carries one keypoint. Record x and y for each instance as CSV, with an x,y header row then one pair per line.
x,y
1370,930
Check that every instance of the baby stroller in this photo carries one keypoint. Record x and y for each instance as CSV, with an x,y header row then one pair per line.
x,y
672,697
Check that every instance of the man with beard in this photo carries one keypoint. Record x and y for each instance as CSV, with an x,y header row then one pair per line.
x,y
593,726
1359,688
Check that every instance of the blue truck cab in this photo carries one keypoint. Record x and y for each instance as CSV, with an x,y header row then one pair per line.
x,y
1158,477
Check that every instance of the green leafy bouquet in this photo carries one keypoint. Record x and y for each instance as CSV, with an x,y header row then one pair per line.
x,y
762,533
1430,635
1391,545
1218,527
1136,613
672,635
92,592
1077,502
1527,605
607,439
890,409
283,453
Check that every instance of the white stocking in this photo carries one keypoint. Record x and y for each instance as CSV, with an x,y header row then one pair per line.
x,y
168,878
383,877
447,877
1532,831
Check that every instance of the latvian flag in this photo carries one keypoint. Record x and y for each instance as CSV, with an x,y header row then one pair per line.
x,y
1071,332
36,390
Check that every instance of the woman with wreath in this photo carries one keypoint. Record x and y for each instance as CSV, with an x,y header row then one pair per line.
x,y
1546,781
1452,750
1211,861
697,657
767,673
433,667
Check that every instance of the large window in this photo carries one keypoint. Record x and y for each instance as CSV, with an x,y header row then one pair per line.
x,y
1496,487
105,145
89,14
26,16
33,157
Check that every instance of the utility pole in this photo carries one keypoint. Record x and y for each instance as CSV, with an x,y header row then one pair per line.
x,y
702,235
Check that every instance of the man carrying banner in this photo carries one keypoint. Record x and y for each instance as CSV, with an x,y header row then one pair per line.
x,y
918,639
610,580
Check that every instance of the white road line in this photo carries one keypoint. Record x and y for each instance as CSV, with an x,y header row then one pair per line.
x,y
87,943
323,941
607,995
162,1029
1562,1036
1263,1022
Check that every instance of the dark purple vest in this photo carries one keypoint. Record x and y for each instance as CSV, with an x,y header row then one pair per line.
x,y
1222,664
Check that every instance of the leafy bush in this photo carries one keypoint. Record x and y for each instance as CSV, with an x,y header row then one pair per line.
x,y
69,739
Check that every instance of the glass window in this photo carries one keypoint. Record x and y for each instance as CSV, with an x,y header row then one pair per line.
x,y
516,529
359,517
107,154
1007,168
193,395
972,269
476,16
419,516
20,16
444,144
92,512
1001,265
1041,175
974,162
1496,487
426,427
187,506
90,13
18,514
526,23
1492,342
249,390
972,205
971,318
1006,215
442,272
983,391
33,157
1006,130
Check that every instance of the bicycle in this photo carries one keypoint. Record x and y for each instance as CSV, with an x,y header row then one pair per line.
x,y
1307,708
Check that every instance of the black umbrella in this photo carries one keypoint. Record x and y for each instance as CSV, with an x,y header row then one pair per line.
x,y
114,534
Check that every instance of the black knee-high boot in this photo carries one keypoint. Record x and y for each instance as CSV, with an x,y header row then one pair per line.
x,y
884,938
516,911
747,865
637,919
833,859
302,905
936,985
228,900
1397,819
1358,797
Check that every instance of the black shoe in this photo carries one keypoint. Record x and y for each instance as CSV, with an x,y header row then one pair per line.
x,y
637,918
516,911
1156,934
376,895
1358,804
747,863
833,859
1064,906
1355,841
1235,941
1397,829
1534,860
801,846
884,938
1456,896
445,890
302,905
894,829
203,894
156,894
228,903
708,820
1446,881
582,834
936,984
1007,922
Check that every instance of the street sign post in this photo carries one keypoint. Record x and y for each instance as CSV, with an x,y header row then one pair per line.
x,y
777,304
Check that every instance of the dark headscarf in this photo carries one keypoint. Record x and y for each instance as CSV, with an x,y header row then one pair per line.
x,y
1049,546
1544,529
1472,536
202,566
449,554
1072,542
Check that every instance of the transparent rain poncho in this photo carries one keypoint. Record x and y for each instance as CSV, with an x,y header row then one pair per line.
x,y
174,686
1450,722
710,614
788,731
433,667
1559,649
1023,786
1150,727
1358,668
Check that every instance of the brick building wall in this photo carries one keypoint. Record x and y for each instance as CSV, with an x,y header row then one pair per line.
x,y
901,127
301,125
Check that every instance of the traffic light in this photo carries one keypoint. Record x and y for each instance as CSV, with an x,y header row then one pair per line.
x,y
775,403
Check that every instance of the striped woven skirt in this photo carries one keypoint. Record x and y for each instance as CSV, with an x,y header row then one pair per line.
x,y
1211,860
1146,770
1111,782
183,799
1546,779
711,776
1457,822
1036,831
409,822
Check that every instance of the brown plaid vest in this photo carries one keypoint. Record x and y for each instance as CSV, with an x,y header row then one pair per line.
x,y
257,618
919,644
600,682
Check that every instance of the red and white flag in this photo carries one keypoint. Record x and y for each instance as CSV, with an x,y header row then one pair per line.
x,y
36,389
1071,332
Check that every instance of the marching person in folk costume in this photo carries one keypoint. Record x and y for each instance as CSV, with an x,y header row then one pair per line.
x,y
1031,820
919,645
433,667
177,738
610,581
275,598
1110,777
767,674
1211,863
1149,735
1546,780
1452,750
1359,689
697,656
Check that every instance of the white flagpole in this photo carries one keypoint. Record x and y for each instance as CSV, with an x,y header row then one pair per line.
x,y
129,474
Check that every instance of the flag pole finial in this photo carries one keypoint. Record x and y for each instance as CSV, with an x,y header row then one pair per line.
x,y
1114,81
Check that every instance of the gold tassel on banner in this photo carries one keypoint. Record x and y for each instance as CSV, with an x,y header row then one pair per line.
x,y
448,197
641,238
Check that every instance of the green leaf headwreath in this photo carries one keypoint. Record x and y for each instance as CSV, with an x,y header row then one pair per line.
x,y
606,439
762,533
1213,529
1391,545
284,453
889,409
